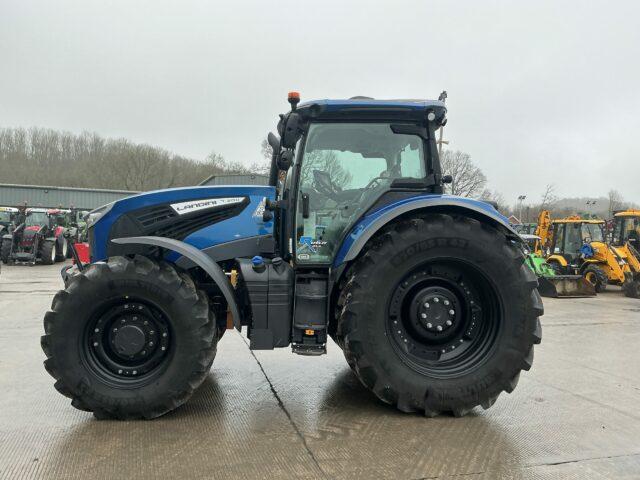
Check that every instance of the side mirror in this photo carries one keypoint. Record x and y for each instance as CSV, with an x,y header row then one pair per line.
x,y
274,141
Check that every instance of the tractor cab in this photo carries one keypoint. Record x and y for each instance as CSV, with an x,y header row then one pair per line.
x,y
7,218
341,158
569,235
626,228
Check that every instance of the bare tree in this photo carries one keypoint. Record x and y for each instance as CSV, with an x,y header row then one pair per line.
x,y
468,179
549,197
615,201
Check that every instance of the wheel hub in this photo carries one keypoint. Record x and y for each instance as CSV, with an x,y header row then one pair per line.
x,y
129,340
436,310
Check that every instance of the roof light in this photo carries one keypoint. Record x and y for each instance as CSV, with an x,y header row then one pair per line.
x,y
293,96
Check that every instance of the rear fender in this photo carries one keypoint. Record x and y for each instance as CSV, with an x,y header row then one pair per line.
x,y
200,259
370,224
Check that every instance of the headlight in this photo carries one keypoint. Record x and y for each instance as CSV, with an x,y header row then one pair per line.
x,y
98,213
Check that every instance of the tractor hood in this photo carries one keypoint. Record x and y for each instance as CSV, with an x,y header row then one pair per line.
x,y
201,216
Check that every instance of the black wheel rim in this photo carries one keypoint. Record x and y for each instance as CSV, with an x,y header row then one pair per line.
x,y
127,341
443,318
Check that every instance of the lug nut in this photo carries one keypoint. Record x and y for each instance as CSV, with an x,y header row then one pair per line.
x,y
452,312
163,349
95,344
439,328
436,299
120,372
122,321
446,302
165,333
426,305
151,344
423,315
429,325
97,330
135,372
448,322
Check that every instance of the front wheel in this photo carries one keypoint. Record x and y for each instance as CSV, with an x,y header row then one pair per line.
x,y
596,277
130,338
5,250
62,250
48,252
453,320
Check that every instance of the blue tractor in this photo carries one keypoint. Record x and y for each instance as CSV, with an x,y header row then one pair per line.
x,y
427,294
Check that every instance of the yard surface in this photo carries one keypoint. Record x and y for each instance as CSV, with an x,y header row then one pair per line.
x,y
576,414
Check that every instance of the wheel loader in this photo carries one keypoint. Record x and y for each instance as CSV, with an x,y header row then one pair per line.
x,y
427,294
626,244
561,245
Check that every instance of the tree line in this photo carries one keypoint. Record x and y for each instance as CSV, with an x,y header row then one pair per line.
x,y
39,156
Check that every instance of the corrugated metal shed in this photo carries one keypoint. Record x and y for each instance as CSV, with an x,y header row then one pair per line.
x,y
237,179
50,197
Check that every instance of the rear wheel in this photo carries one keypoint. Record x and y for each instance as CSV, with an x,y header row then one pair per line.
x,y
129,339
453,321
48,252
596,277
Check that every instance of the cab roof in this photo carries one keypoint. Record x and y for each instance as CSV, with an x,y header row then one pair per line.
x,y
371,108
8,209
628,213
579,220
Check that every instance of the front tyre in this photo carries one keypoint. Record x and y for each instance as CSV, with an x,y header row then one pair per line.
x,y
48,252
5,250
597,277
453,319
130,338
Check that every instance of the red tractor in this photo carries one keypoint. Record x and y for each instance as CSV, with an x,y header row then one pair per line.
x,y
38,236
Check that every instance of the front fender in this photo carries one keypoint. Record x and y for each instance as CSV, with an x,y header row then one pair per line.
x,y
200,259
373,222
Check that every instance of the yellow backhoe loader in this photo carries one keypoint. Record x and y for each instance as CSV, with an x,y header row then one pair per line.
x,y
626,243
562,244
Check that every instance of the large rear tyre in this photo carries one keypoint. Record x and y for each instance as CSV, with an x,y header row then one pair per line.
x,y
130,338
440,315
48,252
596,276
5,251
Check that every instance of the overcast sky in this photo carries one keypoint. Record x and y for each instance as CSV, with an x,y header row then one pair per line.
x,y
539,92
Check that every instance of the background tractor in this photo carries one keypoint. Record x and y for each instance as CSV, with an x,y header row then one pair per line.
x,y
37,237
561,243
7,219
427,294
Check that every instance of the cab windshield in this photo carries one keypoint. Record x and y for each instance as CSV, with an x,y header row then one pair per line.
x,y
5,217
592,231
627,229
344,169
36,219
